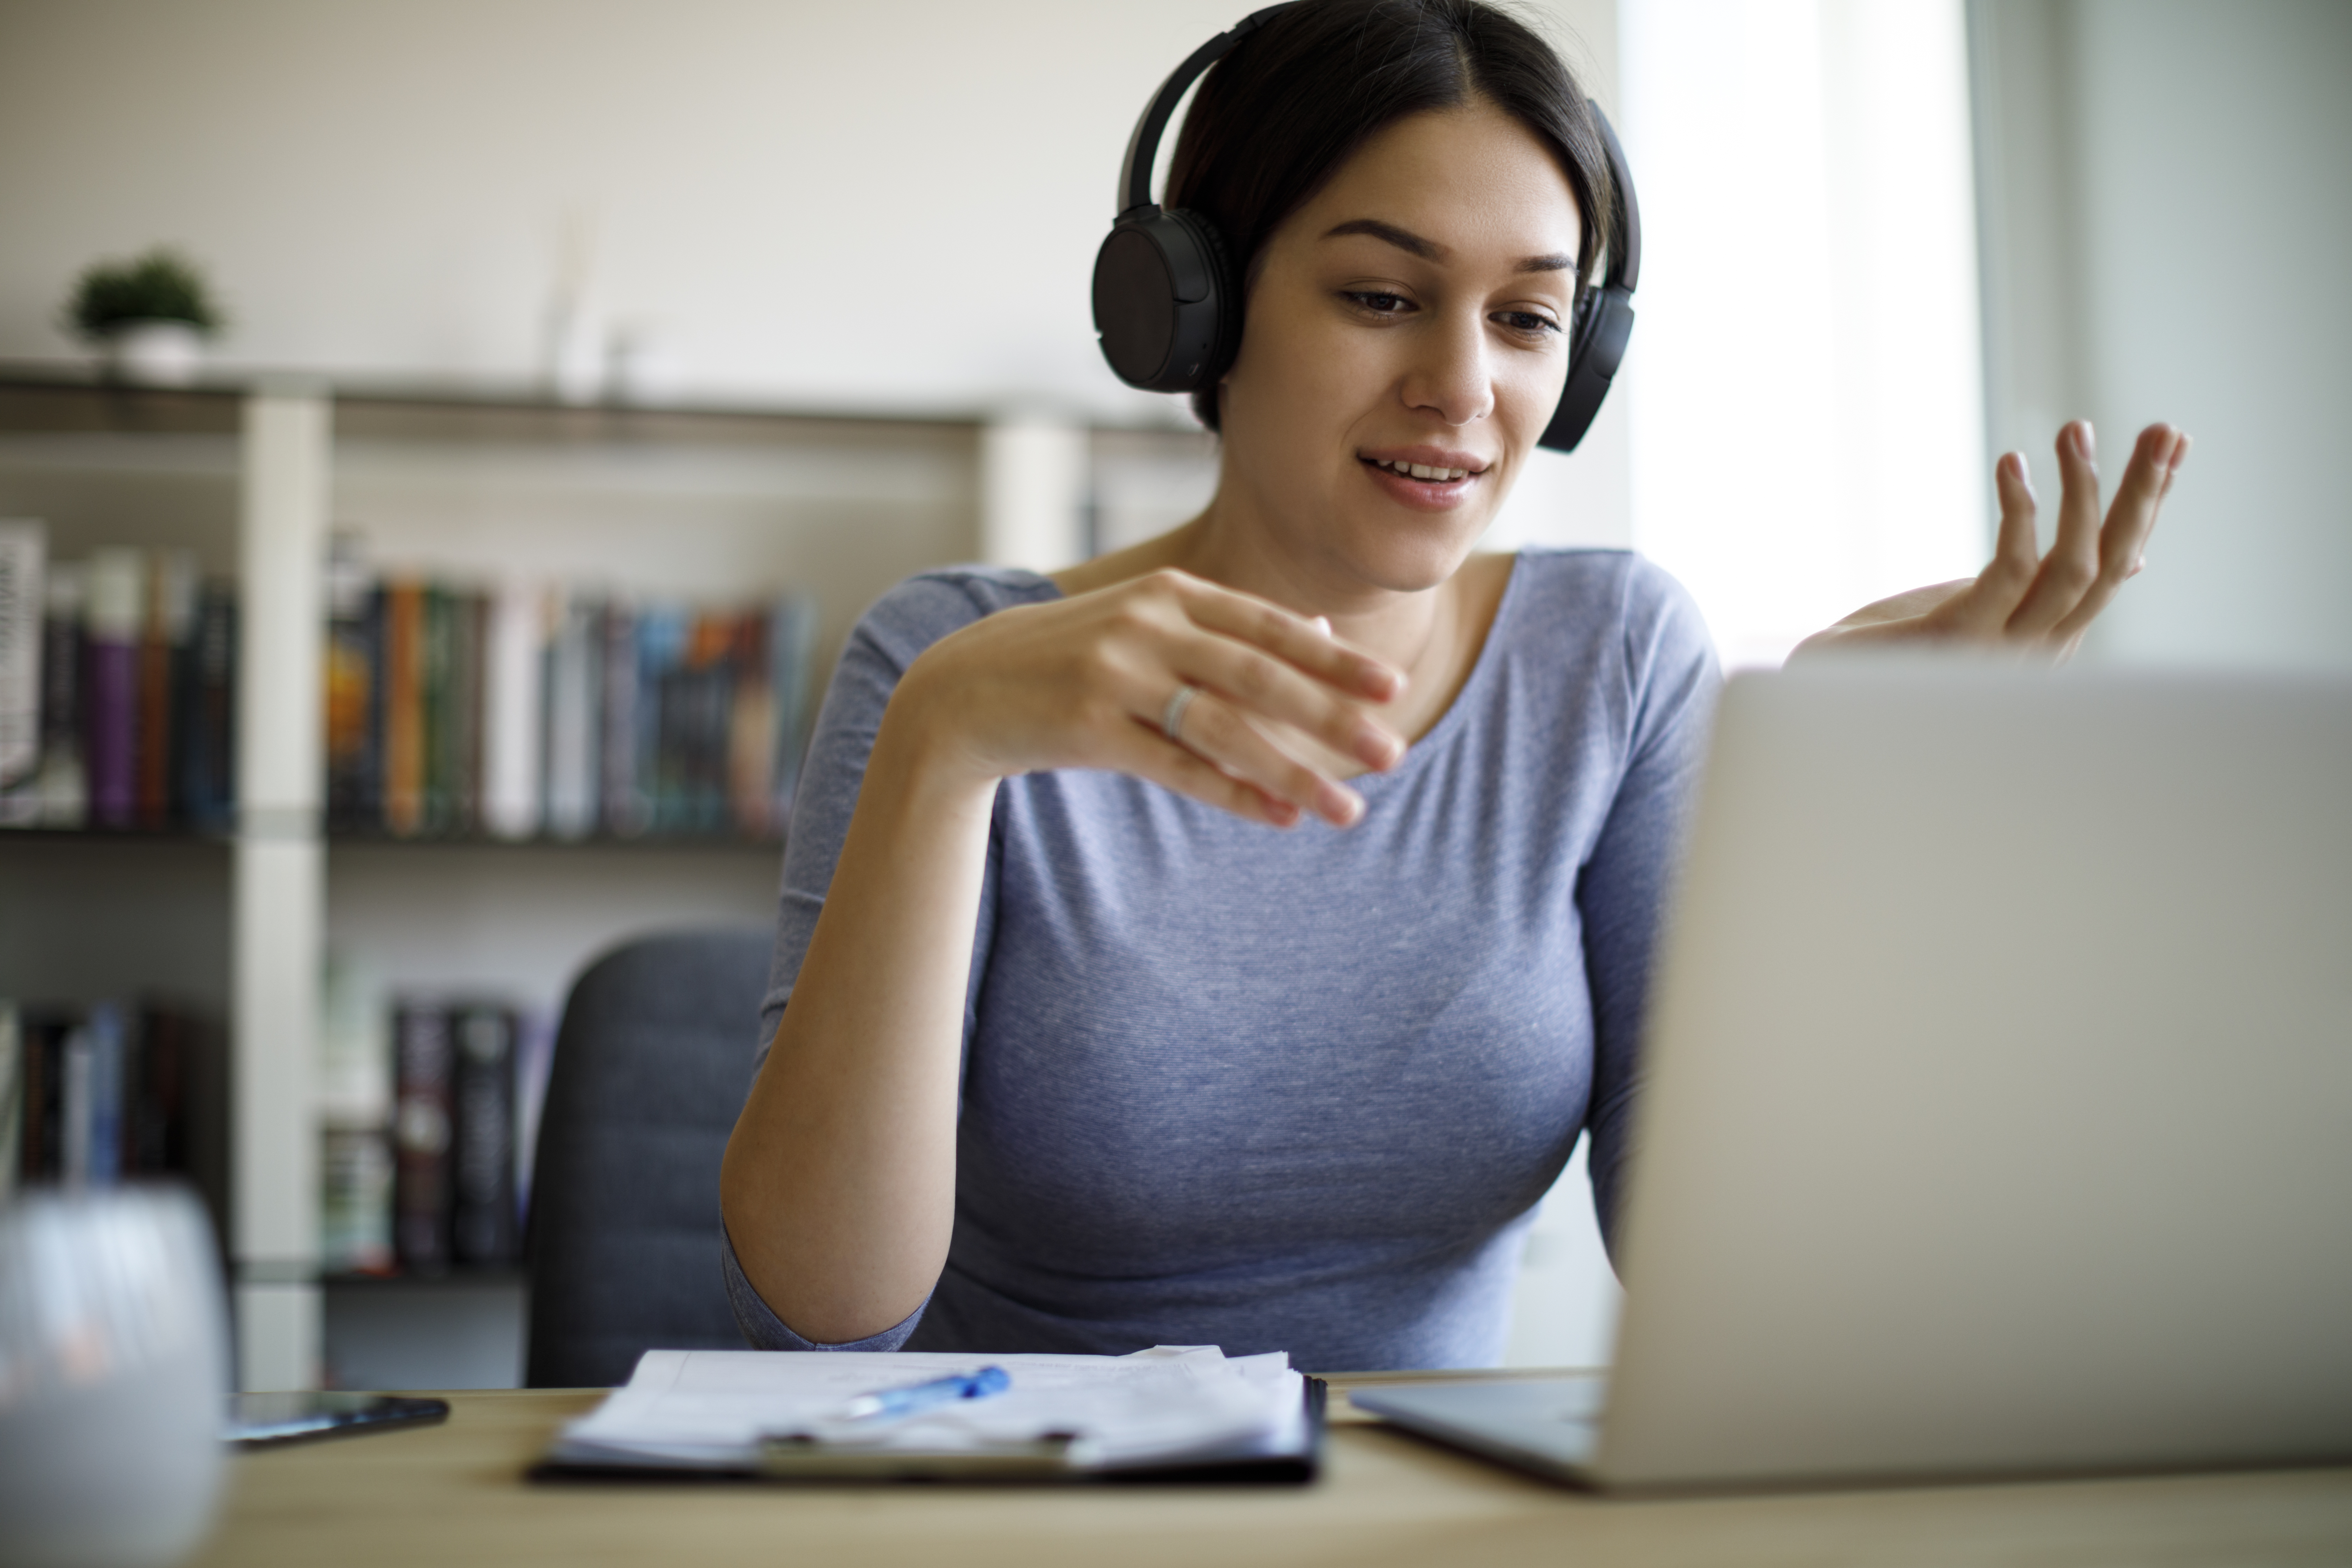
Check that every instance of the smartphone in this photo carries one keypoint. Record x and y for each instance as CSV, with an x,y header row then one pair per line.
x,y
267,1420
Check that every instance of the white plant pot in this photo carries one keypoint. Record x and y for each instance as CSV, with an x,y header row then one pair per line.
x,y
113,1378
155,354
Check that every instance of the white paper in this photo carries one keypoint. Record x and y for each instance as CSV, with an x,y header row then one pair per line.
x,y
715,1408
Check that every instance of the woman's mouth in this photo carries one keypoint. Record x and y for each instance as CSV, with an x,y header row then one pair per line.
x,y
1419,470
1422,484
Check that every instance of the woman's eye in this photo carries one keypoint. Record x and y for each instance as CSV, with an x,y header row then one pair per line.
x,y
1527,322
1382,304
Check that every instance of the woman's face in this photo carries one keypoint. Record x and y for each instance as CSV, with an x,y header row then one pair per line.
x,y
1413,315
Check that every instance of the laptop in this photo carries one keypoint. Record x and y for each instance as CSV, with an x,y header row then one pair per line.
x,y
1998,1110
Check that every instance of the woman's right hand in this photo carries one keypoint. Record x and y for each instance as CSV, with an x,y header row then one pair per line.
x,y
1086,681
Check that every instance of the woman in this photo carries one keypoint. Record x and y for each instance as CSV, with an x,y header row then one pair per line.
x,y
1226,940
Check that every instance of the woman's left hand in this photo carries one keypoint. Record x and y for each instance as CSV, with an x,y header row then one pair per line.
x,y
2024,600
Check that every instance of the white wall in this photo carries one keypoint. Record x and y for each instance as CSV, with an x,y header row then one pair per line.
x,y
2167,223
886,204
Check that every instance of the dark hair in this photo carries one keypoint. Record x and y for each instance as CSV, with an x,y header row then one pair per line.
x,y
1278,117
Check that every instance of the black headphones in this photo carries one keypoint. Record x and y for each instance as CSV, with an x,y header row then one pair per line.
x,y
1168,302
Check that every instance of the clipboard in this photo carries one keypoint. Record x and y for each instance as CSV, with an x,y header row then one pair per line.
x,y
1289,1459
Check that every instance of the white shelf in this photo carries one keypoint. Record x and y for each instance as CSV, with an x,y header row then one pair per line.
x,y
714,506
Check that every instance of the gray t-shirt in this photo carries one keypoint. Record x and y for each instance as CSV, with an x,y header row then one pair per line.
x,y
1295,1091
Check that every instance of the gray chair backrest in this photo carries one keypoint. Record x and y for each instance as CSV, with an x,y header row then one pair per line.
x,y
651,1064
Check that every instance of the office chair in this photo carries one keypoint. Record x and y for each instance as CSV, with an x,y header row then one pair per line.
x,y
651,1064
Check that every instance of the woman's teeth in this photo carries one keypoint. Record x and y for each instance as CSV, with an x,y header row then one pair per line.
x,y
1421,471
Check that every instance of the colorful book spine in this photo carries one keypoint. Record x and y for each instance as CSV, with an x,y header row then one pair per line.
x,y
482,1164
116,619
351,678
403,708
421,1136
24,554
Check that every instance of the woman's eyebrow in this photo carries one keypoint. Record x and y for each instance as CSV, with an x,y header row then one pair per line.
x,y
1404,239
1411,244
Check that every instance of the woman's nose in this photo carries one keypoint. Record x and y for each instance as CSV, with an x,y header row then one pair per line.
x,y
1450,375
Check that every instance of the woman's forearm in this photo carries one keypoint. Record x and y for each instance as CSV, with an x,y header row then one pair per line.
x,y
839,1182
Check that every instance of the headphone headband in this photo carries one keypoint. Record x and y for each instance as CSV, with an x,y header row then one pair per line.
x,y
1143,147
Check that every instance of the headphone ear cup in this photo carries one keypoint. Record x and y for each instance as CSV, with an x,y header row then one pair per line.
x,y
1225,294
1602,328
1162,283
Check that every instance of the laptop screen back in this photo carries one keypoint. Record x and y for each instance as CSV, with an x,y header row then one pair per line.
x,y
1998,1114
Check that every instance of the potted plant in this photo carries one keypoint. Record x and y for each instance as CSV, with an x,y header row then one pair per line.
x,y
150,316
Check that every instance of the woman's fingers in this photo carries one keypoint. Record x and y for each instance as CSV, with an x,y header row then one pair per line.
x,y
1983,609
2156,458
1145,754
1294,639
1212,729
1259,683
2072,567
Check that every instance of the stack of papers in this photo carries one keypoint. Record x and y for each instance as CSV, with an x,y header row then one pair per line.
x,y
736,1411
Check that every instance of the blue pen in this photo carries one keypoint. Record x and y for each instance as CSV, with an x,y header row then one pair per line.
x,y
945,1390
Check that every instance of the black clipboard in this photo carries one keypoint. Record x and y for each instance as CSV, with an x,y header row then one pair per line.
x,y
1294,1459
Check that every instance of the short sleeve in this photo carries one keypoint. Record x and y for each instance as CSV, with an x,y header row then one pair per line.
x,y
886,640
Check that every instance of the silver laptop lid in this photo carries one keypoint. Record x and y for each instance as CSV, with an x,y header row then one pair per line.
x,y
1998,1114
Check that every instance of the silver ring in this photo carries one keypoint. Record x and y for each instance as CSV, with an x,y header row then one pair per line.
x,y
1172,718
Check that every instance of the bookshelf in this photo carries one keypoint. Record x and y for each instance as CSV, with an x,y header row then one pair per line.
x,y
254,476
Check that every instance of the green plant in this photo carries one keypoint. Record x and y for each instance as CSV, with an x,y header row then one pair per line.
x,y
161,286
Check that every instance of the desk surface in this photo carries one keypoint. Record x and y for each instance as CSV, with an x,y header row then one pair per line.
x,y
451,1494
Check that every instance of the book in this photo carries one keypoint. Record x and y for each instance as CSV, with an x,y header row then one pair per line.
x,y
355,1201
24,552
165,642
482,1158
99,1117
623,806
751,733
575,700
207,721
115,619
513,713
352,689
422,1136
404,672
468,617
63,785
12,1100
656,803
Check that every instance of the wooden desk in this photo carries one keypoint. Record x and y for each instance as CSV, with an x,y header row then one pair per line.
x,y
450,1494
